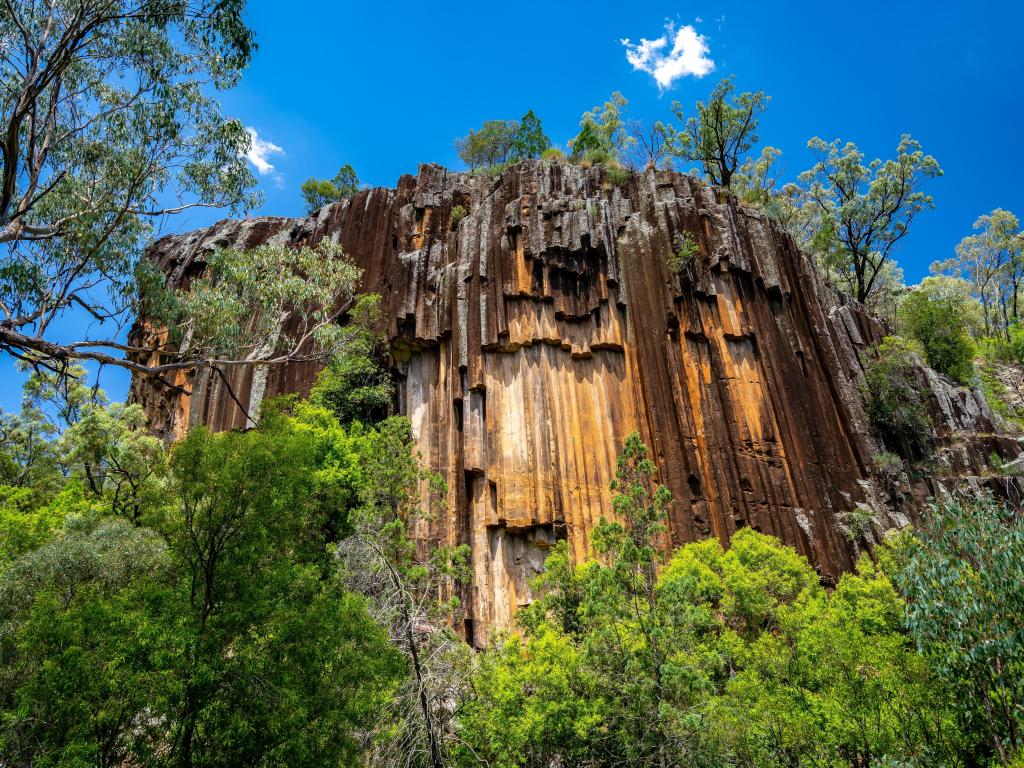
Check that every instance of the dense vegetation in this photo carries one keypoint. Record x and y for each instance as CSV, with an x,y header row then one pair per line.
x,y
255,598
258,598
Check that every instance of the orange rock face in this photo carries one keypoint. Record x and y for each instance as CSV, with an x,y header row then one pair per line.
x,y
533,335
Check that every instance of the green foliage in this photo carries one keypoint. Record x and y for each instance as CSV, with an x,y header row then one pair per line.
x,y
939,325
893,401
217,636
238,307
319,192
755,179
858,522
964,580
837,684
734,657
114,122
502,141
890,469
597,157
859,212
355,385
414,598
602,128
618,177
723,130
685,251
535,702
1009,346
553,154
991,262
997,395
118,461
586,141
529,141
458,214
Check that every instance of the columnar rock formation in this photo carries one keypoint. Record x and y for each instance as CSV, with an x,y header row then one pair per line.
x,y
530,337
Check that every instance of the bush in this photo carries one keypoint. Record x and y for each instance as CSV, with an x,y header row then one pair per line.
x,y
858,522
491,170
618,176
458,214
553,153
964,584
1008,348
998,396
890,467
893,402
320,192
939,324
684,253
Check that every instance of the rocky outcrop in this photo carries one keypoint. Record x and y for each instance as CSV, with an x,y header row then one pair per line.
x,y
531,336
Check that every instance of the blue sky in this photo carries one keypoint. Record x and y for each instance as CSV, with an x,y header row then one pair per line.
x,y
385,86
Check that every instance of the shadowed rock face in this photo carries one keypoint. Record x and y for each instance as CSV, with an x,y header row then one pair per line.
x,y
532,336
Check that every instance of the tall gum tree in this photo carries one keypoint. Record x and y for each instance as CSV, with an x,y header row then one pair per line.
x,y
108,124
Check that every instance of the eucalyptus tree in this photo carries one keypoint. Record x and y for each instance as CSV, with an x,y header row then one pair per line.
x,y
861,212
721,133
110,122
603,128
413,594
992,261
319,192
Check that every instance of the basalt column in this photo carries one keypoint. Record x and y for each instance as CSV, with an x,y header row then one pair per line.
x,y
532,335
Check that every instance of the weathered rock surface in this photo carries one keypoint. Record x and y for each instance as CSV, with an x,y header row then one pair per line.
x,y
533,335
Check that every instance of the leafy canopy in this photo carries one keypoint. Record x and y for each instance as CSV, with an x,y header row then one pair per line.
x,y
319,192
721,133
110,121
861,212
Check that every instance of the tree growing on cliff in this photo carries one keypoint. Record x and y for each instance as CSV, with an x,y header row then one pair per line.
x,y
260,307
939,324
491,145
861,212
502,141
893,401
603,129
108,124
319,192
992,261
530,140
721,133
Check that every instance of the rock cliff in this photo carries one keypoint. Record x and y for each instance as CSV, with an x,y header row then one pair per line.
x,y
531,336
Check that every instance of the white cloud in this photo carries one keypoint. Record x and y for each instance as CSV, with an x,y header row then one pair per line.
x,y
688,56
260,150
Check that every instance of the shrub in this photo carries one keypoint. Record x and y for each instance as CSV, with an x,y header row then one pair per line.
x,y
1008,348
857,522
890,467
618,176
458,214
998,396
491,170
964,584
319,192
598,157
892,401
939,324
553,153
684,253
